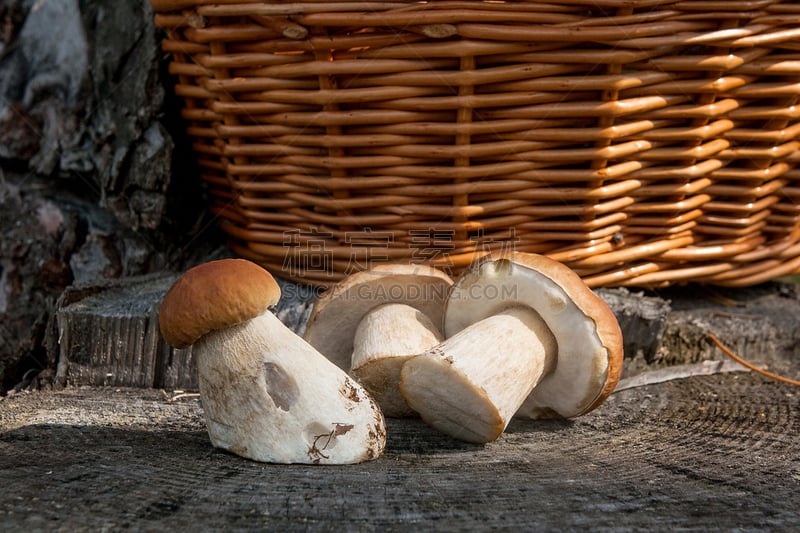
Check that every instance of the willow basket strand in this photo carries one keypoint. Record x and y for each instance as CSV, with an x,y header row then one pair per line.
x,y
643,143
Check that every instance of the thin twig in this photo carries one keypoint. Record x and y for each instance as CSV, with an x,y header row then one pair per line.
x,y
173,399
706,368
750,365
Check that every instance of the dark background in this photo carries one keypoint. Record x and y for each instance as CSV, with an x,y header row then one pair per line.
x,y
96,180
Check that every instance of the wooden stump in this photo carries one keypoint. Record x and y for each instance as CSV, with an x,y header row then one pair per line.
x,y
108,334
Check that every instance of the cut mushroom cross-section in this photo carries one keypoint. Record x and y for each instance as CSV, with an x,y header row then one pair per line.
x,y
267,394
374,320
385,339
461,390
491,361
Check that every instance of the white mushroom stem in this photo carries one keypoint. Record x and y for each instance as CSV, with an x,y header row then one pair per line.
x,y
385,339
471,385
269,396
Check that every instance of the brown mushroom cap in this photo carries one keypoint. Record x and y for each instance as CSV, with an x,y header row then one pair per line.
x,y
337,313
213,296
589,339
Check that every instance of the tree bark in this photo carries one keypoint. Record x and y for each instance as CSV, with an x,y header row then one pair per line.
x,y
86,164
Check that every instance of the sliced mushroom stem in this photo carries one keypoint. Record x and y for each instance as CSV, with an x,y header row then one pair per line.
x,y
590,349
385,339
332,325
470,385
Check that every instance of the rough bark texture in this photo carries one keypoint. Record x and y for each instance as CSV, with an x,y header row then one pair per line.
x,y
711,453
86,163
672,326
81,97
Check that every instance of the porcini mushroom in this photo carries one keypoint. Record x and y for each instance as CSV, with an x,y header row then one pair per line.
x,y
386,337
525,336
267,394
374,320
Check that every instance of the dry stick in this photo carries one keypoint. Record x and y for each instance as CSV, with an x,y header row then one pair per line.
x,y
652,377
178,396
750,365
706,368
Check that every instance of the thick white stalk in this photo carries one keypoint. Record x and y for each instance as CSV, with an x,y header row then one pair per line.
x,y
385,339
270,396
471,385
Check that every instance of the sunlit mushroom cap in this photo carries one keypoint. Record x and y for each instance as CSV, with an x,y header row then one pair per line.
x,y
215,295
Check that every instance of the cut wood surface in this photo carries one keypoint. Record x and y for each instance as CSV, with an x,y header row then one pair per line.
x,y
717,452
107,334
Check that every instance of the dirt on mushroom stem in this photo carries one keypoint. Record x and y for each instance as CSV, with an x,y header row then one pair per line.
x,y
587,349
267,394
472,384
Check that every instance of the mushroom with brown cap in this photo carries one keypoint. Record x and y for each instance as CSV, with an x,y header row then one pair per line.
x,y
374,320
267,394
524,336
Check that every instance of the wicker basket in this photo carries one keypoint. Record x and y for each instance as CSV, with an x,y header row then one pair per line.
x,y
641,142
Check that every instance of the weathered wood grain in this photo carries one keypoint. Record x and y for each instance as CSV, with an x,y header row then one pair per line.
x,y
107,334
707,453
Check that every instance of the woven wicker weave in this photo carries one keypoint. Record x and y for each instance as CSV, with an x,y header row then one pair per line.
x,y
641,142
